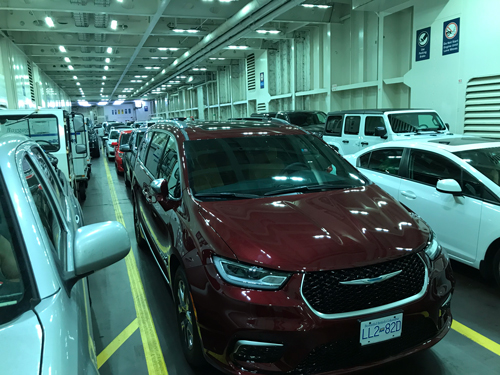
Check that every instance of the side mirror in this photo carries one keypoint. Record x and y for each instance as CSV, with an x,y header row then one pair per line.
x,y
449,186
447,126
81,149
104,138
125,148
99,245
381,132
78,123
163,197
53,160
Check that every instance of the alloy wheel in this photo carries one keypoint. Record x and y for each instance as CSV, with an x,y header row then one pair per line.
x,y
184,311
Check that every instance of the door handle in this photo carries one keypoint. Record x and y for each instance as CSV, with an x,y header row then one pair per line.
x,y
409,194
364,143
344,141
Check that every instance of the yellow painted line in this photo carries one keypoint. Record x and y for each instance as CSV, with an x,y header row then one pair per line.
x,y
485,342
116,343
152,350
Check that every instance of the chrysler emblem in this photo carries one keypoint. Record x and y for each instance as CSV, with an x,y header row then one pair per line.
x,y
374,280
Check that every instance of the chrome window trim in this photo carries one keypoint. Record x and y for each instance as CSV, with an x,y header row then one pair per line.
x,y
240,343
372,310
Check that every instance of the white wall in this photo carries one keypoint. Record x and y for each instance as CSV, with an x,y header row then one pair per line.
x,y
15,89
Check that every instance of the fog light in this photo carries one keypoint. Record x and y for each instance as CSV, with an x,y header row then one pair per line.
x,y
255,351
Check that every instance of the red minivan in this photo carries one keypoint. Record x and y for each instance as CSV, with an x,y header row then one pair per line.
x,y
282,257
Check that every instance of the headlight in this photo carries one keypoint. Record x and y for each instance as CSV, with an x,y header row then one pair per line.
x,y
433,249
249,276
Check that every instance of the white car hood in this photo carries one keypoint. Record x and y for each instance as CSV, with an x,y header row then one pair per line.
x,y
21,345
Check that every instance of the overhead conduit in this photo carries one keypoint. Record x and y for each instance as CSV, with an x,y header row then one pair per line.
x,y
253,15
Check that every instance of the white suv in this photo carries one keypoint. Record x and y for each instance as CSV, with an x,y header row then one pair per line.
x,y
351,131
453,183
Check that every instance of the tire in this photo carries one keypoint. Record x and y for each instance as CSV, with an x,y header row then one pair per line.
x,y
141,242
495,269
127,182
97,153
82,194
186,321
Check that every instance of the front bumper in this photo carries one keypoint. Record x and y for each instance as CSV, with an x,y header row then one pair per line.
x,y
299,341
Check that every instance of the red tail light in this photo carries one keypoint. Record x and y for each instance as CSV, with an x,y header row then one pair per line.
x,y
114,144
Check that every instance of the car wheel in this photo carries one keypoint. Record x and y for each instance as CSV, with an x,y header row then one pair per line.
x,y
127,182
82,194
186,321
141,242
496,268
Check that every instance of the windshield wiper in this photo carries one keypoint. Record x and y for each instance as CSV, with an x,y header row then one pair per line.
x,y
305,189
227,195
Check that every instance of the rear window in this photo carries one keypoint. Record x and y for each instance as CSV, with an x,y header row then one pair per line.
x,y
415,122
125,137
43,129
114,134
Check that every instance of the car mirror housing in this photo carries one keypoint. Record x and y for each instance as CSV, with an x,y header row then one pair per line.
x,y
449,186
97,246
125,148
163,197
381,132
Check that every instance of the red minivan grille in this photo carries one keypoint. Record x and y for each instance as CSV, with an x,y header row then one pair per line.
x,y
325,293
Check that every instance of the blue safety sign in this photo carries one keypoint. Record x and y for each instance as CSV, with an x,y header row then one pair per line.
x,y
423,44
451,36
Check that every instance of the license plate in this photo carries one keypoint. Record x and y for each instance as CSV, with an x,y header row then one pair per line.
x,y
381,329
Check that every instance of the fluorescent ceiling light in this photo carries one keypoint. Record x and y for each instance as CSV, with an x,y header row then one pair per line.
x,y
103,77
103,83
168,49
149,67
62,49
67,59
175,30
144,76
118,102
49,21
238,47
78,83
268,31
316,6
107,60
102,103
155,58
106,67
75,77
156,67
70,67
114,24
109,50
190,79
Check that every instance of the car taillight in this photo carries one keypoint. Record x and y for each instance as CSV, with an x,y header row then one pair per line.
x,y
114,144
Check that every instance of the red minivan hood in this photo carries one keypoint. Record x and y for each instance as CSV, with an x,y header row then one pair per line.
x,y
317,231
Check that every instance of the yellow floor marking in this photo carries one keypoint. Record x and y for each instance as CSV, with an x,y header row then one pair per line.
x,y
476,337
116,343
152,350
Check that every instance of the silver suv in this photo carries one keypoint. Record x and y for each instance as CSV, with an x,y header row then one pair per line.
x,y
45,255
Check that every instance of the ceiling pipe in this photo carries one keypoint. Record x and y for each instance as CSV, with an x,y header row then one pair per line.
x,y
250,17
154,20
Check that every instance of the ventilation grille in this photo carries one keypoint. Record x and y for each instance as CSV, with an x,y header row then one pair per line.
x,y
32,82
251,72
261,107
482,107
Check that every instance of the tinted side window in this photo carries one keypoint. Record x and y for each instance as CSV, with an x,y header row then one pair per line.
x,y
429,168
372,122
364,160
44,207
144,147
138,139
169,168
158,142
352,124
334,126
280,116
386,160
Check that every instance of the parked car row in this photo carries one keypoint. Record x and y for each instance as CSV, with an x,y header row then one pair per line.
x,y
280,255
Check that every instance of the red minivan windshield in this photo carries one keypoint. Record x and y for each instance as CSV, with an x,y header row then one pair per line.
x,y
254,166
